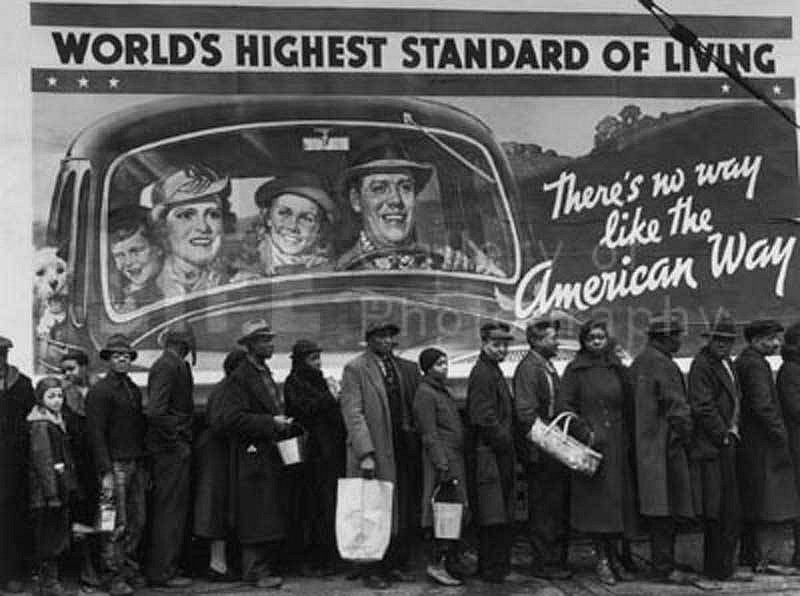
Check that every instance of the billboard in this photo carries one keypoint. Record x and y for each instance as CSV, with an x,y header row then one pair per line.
x,y
323,168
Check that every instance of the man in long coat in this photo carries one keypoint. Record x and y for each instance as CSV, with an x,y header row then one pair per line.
x,y
715,399
535,389
16,400
766,475
788,383
252,419
490,409
663,431
376,400
169,412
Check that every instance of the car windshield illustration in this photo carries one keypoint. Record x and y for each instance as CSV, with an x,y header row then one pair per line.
x,y
251,204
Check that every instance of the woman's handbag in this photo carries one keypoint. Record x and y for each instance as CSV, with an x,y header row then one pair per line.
x,y
568,450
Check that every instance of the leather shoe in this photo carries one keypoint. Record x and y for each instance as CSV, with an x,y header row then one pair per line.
x,y
174,582
374,582
678,577
120,588
215,576
395,575
550,573
269,582
604,573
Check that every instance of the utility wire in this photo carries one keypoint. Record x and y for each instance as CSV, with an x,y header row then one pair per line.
x,y
687,37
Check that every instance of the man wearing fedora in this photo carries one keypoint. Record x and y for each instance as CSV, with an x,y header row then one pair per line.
x,y
490,410
116,426
252,418
535,389
662,435
382,184
376,400
766,474
169,412
16,401
716,400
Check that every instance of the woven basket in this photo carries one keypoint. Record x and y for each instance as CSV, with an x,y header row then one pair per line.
x,y
557,442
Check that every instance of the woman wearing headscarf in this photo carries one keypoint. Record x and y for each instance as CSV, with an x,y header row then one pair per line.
x,y
312,503
595,386
442,434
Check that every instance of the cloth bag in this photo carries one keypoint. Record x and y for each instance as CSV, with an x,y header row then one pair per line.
x,y
564,448
363,518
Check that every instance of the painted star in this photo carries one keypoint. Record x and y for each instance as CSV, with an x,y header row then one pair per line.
x,y
83,82
777,89
52,81
113,83
726,88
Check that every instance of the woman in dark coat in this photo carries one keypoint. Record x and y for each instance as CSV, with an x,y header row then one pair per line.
x,y
16,400
211,503
312,491
789,394
595,386
442,433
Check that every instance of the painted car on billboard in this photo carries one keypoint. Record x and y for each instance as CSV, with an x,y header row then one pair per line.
x,y
474,230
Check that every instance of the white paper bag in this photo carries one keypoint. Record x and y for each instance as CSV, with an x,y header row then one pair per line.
x,y
363,518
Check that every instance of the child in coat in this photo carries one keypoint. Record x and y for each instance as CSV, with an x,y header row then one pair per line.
x,y
52,482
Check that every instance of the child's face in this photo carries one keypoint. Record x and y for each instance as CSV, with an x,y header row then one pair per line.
x,y
53,399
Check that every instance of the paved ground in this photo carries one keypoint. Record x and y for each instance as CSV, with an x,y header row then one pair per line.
x,y
583,584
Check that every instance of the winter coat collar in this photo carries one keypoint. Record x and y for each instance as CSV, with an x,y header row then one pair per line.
x,y
436,383
41,414
10,378
750,353
791,353
488,361
584,359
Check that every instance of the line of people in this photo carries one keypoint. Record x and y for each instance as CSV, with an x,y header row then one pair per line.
x,y
721,446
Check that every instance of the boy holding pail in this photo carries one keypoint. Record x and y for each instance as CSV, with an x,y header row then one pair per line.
x,y
442,435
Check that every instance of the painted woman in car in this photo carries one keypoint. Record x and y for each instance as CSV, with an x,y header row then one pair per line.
x,y
190,207
297,211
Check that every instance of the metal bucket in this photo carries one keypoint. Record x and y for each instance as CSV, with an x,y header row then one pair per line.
x,y
447,520
291,450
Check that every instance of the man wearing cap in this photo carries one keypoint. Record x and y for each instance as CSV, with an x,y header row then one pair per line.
x,y
766,474
715,398
376,400
296,211
490,410
16,401
662,434
382,184
116,426
535,389
169,412
252,418
190,209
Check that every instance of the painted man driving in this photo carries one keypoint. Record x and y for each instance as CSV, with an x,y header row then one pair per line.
x,y
383,185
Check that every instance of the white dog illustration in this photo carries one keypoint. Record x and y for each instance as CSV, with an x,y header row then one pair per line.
x,y
50,288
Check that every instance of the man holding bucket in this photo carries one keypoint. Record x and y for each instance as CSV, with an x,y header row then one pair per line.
x,y
252,419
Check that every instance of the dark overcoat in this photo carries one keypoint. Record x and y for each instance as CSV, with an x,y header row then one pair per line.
x,y
788,383
490,410
212,471
170,403
16,401
535,390
442,433
598,390
766,474
368,420
248,410
50,445
663,430
714,397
